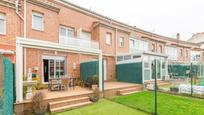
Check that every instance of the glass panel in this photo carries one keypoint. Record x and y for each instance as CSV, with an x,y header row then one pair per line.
x,y
128,57
147,74
62,31
57,69
62,67
37,22
70,33
2,26
158,69
52,69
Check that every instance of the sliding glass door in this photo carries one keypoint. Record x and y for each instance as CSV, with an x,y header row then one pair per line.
x,y
53,67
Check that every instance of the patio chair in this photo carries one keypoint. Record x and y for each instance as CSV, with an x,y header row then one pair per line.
x,y
88,82
53,85
64,83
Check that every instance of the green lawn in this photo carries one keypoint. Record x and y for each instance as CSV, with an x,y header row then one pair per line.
x,y
167,104
104,107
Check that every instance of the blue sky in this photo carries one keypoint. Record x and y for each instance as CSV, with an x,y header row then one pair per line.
x,y
165,17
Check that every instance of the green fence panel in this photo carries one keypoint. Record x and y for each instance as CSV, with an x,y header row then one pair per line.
x,y
88,69
129,72
7,97
179,70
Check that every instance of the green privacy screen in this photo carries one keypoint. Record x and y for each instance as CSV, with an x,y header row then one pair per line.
x,y
179,70
129,72
88,69
6,86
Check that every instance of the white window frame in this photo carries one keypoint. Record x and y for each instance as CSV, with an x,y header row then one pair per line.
x,y
38,15
108,40
3,17
172,52
66,29
121,41
140,45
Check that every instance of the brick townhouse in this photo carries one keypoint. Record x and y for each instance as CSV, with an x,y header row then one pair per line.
x,y
69,35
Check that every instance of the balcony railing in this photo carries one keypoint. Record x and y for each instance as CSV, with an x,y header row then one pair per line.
x,y
79,42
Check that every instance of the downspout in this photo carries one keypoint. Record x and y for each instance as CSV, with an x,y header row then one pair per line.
x,y
24,27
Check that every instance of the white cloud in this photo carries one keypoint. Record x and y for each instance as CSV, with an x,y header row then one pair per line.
x,y
166,17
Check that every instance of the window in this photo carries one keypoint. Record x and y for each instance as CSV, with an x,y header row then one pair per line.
x,y
121,41
85,35
132,44
66,32
119,58
37,21
127,57
172,52
187,53
153,48
108,38
139,45
160,49
2,24
181,52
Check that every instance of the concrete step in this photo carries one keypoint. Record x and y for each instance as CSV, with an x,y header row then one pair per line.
x,y
69,107
57,104
130,90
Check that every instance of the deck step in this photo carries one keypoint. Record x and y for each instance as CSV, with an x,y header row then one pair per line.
x,y
130,90
69,107
68,102
129,93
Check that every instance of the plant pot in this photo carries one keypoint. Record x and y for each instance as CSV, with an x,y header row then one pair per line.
x,y
94,87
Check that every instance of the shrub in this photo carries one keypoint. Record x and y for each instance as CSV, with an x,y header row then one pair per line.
x,y
38,106
95,79
39,86
96,95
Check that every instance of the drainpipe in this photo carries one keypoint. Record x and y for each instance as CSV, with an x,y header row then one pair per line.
x,y
24,27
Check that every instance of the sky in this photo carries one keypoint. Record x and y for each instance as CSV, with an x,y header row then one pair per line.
x,y
164,17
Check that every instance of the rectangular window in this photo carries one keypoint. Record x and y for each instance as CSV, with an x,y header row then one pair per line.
x,y
138,45
160,49
153,48
119,58
187,53
121,41
2,24
66,32
127,57
181,52
108,38
85,35
37,21
132,44
172,52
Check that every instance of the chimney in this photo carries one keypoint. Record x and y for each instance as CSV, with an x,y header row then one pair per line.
x,y
178,36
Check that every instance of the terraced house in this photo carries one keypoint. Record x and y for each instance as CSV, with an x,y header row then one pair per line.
x,y
54,38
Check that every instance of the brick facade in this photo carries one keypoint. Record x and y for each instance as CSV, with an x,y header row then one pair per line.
x,y
58,14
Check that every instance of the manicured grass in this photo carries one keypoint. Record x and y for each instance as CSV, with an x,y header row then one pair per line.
x,y
167,104
104,107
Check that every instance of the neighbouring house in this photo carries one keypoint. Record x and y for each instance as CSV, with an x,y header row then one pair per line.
x,y
55,38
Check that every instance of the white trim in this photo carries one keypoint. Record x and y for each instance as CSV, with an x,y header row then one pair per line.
x,y
39,44
19,73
